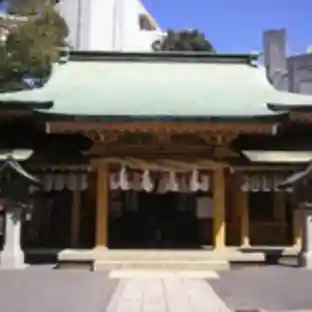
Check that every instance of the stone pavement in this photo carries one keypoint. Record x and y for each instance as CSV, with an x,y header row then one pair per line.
x,y
43,289
47,290
272,288
165,291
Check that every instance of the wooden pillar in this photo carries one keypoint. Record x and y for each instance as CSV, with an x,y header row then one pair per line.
x,y
279,206
102,201
219,208
241,207
75,218
244,218
297,228
280,214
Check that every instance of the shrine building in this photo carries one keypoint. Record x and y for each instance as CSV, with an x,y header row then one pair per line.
x,y
159,151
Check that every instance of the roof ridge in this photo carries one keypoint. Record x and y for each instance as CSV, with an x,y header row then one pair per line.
x,y
171,56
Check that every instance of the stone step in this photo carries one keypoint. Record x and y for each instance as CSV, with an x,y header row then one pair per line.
x,y
217,265
75,265
159,256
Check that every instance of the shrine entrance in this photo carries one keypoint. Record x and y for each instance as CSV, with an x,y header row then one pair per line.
x,y
156,221
159,208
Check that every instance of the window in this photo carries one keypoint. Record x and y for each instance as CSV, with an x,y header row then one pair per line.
x,y
261,206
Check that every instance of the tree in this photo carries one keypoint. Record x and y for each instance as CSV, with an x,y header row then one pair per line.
x,y
33,42
186,40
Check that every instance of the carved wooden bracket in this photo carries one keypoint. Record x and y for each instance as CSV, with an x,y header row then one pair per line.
x,y
101,137
224,151
218,139
162,137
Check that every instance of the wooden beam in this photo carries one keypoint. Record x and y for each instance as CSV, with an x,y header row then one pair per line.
x,y
175,127
301,116
265,168
149,150
48,167
166,164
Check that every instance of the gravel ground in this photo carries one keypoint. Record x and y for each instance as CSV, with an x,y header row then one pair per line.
x,y
44,289
272,288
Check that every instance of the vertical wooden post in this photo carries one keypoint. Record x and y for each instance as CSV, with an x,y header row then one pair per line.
x,y
75,218
241,207
297,228
219,208
102,197
244,218
279,206
280,214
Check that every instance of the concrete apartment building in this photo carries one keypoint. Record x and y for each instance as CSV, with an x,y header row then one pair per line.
x,y
292,73
110,25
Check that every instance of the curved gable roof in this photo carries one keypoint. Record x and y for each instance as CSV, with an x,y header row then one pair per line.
x,y
159,84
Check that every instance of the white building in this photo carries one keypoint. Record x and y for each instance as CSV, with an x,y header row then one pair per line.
x,y
105,25
286,72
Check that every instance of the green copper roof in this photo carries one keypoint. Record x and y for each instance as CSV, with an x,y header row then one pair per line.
x,y
158,84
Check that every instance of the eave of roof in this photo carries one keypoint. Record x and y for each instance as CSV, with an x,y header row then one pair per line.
x,y
21,105
294,107
164,56
297,179
272,118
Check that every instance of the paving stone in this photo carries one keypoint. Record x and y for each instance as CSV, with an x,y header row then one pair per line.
x,y
157,274
154,296
116,298
203,298
176,296
131,297
129,305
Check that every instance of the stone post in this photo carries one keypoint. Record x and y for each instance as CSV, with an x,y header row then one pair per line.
x,y
12,256
305,255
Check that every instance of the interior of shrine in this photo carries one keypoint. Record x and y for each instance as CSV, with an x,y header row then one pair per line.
x,y
150,220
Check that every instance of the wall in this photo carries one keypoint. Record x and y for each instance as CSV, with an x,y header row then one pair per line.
x,y
99,25
274,46
300,73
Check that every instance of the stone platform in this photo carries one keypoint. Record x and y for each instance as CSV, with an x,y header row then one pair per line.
x,y
104,259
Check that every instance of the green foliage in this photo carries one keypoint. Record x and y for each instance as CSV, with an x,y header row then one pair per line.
x,y
185,40
31,46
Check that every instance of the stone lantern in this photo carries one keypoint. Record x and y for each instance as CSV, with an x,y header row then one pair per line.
x,y
300,184
15,182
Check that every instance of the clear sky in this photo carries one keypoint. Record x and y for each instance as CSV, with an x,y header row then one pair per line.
x,y
237,25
